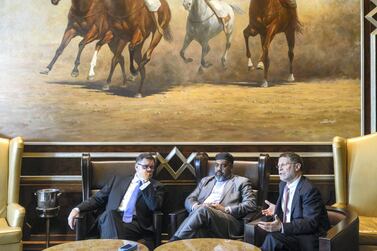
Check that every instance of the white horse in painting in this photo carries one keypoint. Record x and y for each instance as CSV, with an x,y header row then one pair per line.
x,y
202,25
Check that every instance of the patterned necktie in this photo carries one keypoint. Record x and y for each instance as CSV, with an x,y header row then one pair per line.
x,y
129,211
286,199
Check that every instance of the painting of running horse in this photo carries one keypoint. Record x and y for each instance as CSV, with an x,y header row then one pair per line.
x,y
113,22
86,18
203,24
132,23
268,18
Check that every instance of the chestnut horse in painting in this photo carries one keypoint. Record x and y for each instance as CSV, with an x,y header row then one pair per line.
x,y
131,22
268,18
88,19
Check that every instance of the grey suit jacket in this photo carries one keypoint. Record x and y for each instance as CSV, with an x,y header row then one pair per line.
x,y
238,195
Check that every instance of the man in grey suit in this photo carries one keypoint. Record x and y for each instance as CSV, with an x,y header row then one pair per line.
x,y
218,204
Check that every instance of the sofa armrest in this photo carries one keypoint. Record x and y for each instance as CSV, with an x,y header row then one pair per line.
x,y
176,218
80,227
344,235
87,225
252,216
15,215
157,224
253,234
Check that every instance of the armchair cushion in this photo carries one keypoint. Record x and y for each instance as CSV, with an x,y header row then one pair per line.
x,y
9,234
368,230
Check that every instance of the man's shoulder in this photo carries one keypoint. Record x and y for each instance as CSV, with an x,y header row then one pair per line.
x,y
307,185
156,182
207,178
241,179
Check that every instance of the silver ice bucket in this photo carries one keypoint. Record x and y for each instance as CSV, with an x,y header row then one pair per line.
x,y
48,198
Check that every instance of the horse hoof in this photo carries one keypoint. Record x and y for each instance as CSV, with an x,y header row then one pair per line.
x,y
260,66
138,95
223,63
200,70
291,78
251,68
264,84
207,65
45,71
75,74
131,77
188,60
90,77
106,87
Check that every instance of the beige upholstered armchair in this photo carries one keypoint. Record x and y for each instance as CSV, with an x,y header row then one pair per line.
x,y
11,213
355,168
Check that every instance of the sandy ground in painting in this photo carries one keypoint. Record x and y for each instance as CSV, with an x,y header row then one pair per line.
x,y
78,110
179,104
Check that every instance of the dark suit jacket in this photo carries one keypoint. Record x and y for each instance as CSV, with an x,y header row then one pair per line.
x,y
309,215
110,196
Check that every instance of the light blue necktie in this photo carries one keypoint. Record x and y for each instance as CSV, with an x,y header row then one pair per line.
x,y
128,212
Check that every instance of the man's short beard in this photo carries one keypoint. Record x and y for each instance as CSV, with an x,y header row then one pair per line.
x,y
220,176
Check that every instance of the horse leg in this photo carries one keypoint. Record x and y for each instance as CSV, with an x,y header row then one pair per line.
x,y
290,35
266,60
133,70
88,38
203,62
67,37
246,35
156,38
114,62
138,59
113,45
260,65
137,38
227,47
186,43
105,40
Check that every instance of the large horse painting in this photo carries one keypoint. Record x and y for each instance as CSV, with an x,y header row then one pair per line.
x,y
187,80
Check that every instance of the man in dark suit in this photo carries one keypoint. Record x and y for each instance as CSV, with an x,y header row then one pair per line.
x,y
218,204
129,203
299,215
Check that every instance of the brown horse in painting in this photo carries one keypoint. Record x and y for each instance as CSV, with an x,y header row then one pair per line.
x,y
268,18
88,19
131,22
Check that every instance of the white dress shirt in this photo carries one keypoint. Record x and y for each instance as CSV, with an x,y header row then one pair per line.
x,y
131,188
217,192
292,189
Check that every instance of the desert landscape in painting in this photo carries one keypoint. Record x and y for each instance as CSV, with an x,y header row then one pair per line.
x,y
180,104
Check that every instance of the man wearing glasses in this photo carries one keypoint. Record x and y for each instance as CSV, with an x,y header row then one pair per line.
x,y
218,204
299,216
129,202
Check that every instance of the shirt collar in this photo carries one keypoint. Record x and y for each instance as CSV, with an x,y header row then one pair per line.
x,y
293,185
135,179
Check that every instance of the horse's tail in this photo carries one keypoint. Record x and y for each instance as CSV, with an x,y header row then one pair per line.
x,y
168,36
237,9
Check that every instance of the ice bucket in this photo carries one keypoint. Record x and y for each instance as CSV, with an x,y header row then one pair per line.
x,y
48,198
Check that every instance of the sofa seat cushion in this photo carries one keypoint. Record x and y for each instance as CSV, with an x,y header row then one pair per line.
x,y
9,234
368,230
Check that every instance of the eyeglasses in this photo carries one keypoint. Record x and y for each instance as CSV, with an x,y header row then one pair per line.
x,y
146,166
284,164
